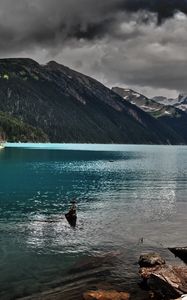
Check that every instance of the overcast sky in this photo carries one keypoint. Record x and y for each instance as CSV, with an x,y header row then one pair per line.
x,y
141,44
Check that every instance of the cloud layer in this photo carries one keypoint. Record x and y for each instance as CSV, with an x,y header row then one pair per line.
x,y
136,43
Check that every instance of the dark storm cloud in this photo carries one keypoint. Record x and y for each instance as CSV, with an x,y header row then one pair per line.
x,y
130,42
163,8
45,20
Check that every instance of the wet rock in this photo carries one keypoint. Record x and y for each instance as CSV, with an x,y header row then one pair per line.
x,y
183,297
151,259
106,295
180,252
169,282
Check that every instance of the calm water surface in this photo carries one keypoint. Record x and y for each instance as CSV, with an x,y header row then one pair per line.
x,y
123,194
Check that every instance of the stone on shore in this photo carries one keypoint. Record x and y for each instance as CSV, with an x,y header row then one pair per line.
x,y
106,295
169,282
151,259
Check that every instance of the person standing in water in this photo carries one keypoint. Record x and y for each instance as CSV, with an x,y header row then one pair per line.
x,y
71,216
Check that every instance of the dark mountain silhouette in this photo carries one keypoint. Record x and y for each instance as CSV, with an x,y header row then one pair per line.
x,y
71,107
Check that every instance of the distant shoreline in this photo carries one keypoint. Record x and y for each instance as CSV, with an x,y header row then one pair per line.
x,y
85,146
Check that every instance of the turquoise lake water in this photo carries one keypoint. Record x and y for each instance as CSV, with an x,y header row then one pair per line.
x,y
124,192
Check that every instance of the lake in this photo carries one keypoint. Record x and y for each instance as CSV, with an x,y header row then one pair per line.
x,y
124,193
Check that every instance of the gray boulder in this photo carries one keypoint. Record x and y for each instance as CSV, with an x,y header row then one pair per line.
x,y
151,259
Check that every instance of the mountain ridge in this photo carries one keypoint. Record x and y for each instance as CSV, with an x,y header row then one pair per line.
x,y
71,107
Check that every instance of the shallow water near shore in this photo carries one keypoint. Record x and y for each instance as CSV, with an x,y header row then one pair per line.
x,y
124,193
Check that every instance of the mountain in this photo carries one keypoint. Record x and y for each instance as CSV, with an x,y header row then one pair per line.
x,y
146,104
155,108
180,102
71,107
13,129
169,115
164,100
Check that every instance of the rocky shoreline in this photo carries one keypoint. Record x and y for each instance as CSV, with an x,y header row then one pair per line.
x,y
159,280
162,281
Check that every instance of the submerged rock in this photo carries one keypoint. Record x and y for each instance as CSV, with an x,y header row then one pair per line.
x,y
106,295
